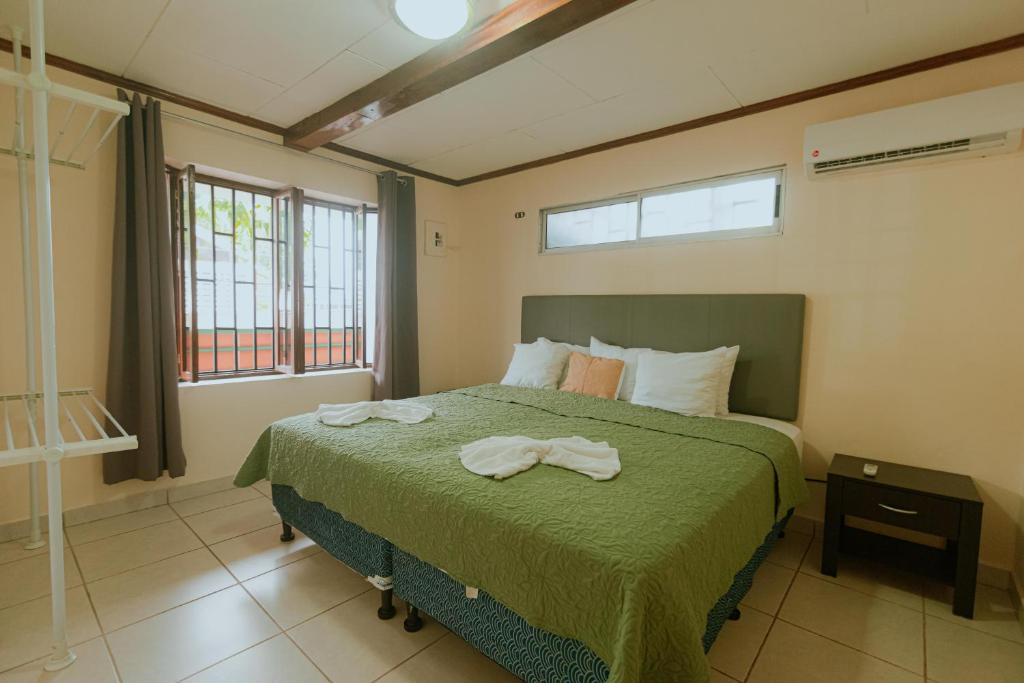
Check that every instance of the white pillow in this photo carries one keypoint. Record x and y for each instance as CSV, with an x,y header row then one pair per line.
x,y
572,347
728,366
628,356
538,365
684,383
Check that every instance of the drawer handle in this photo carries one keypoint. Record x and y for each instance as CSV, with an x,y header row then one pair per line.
x,y
898,510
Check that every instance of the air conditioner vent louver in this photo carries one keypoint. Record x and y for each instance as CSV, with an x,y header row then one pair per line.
x,y
894,155
975,124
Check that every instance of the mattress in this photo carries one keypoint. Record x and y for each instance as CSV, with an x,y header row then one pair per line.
x,y
787,428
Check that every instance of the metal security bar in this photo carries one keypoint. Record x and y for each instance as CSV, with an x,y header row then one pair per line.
x,y
332,284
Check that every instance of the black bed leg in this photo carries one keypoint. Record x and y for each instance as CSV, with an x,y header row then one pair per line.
x,y
413,622
386,609
286,532
735,615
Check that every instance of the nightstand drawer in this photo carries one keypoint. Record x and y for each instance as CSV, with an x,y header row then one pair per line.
x,y
902,508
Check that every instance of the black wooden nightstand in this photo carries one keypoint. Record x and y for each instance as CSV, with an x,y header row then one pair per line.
x,y
938,503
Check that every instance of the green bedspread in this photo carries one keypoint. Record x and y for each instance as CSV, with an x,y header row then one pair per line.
x,y
629,566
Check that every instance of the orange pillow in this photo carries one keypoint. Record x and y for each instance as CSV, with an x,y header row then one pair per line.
x,y
593,376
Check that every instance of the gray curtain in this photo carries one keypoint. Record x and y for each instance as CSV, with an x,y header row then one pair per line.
x,y
142,375
396,361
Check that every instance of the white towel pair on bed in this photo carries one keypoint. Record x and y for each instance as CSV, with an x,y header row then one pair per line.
x,y
502,456
348,414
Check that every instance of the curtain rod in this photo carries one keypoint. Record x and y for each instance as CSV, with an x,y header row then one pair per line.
x,y
278,145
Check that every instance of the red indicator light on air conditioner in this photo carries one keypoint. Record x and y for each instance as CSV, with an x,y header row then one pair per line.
x,y
815,154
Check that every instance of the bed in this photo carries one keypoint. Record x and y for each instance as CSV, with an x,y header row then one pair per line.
x,y
625,580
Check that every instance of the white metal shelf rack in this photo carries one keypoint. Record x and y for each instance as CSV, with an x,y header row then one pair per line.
x,y
72,422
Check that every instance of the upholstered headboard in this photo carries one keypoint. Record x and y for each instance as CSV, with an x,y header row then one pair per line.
x,y
768,327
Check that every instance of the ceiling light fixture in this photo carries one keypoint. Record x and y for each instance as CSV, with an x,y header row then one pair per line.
x,y
432,19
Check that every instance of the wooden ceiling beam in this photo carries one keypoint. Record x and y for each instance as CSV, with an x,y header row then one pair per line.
x,y
74,67
522,26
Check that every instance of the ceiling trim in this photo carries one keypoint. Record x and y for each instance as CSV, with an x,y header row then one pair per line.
x,y
983,50
206,108
510,33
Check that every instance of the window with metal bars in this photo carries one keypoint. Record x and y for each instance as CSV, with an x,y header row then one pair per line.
x,y
268,281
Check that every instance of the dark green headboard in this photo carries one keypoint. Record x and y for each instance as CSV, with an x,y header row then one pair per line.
x,y
768,327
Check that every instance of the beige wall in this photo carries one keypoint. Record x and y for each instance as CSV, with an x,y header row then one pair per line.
x,y
913,278
220,420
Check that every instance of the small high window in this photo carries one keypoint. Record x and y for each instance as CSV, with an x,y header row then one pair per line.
x,y
742,205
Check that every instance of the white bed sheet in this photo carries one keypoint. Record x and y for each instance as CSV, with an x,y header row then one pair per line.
x,y
787,428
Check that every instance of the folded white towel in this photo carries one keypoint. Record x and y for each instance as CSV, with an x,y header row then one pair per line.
x,y
502,456
348,414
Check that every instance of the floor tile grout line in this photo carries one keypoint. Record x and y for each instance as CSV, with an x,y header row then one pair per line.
x,y
144,564
287,633
283,631
725,674
821,577
414,654
71,647
203,546
165,611
238,584
775,617
259,496
113,661
850,647
48,592
317,550
99,624
234,654
229,538
153,507
868,595
325,611
306,655
924,638
185,552
126,531
123,533
951,619
867,654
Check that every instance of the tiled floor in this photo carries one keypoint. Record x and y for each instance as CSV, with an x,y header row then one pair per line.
x,y
203,590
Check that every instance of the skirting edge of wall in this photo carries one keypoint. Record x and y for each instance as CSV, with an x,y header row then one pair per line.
x,y
1017,595
133,503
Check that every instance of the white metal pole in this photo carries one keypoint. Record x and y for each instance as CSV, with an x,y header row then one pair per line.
x,y
35,537
61,656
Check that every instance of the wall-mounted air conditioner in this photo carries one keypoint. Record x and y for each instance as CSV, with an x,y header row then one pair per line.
x,y
980,123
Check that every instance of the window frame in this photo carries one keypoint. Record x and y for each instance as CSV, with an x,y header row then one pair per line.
x,y
772,230
183,210
359,347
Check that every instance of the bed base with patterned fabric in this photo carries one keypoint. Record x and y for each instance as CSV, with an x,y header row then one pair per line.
x,y
366,553
530,653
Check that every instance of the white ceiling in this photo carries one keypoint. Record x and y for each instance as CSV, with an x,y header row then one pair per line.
x,y
651,64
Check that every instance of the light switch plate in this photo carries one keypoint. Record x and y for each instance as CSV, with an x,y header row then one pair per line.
x,y
435,238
